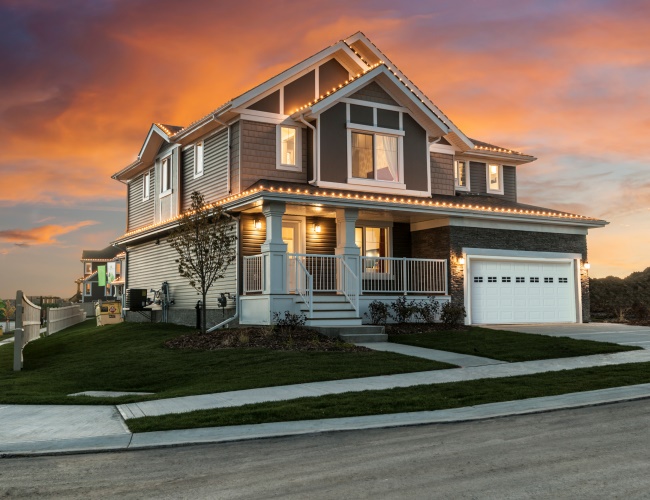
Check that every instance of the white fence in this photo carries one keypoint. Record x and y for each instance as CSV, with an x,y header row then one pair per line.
x,y
28,327
63,317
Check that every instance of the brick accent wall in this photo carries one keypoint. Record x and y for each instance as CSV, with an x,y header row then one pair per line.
x,y
448,242
442,174
258,155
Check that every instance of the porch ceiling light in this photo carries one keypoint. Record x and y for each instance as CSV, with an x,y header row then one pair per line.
x,y
317,228
461,261
257,224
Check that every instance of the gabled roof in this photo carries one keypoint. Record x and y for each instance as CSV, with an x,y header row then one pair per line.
x,y
90,276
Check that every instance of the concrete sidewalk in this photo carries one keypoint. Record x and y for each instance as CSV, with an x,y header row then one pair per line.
x,y
127,441
288,392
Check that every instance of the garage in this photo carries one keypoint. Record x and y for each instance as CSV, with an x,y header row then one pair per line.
x,y
521,290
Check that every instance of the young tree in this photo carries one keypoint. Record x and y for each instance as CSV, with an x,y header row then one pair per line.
x,y
205,242
6,311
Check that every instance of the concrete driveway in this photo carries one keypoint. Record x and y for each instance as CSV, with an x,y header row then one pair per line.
x,y
602,332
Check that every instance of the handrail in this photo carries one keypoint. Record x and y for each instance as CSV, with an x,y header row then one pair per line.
x,y
306,292
350,285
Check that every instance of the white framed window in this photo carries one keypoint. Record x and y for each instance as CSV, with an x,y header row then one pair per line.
x,y
374,242
166,176
88,289
88,267
375,158
494,178
461,175
146,183
198,159
289,148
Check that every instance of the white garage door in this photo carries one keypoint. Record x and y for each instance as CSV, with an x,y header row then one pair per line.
x,y
510,291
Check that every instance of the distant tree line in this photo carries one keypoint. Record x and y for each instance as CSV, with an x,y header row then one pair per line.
x,y
623,299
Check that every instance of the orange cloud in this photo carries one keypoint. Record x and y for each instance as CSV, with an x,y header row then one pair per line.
x,y
41,235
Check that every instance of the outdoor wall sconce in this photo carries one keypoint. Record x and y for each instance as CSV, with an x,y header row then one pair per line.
x,y
257,224
587,265
461,261
317,228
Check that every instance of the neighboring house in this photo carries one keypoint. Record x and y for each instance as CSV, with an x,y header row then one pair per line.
x,y
102,274
349,185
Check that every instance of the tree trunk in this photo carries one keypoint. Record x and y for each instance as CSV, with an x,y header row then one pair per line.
x,y
204,314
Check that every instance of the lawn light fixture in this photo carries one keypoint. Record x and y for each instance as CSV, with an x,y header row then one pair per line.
x,y
257,224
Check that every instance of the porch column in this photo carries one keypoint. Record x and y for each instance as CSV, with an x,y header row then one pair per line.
x,y
346,219
274,249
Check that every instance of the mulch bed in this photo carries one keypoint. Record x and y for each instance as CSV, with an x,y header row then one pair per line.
x,y
300,339
415,328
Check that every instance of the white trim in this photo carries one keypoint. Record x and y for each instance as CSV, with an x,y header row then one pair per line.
x,y
487,178
146,175
375,129
359,181
470,221
376,189
278,148
442,148
267,118
389,107
427,153
166,173
201,145
86,265
466,187
316,82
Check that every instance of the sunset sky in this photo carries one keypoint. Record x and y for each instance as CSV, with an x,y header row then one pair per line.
x,y
82,81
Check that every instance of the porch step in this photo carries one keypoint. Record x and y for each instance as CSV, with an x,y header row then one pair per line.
x,y
332,313
337,321
367,331
328,306
363,338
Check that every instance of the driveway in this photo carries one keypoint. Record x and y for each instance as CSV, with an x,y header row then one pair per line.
x,y
602,332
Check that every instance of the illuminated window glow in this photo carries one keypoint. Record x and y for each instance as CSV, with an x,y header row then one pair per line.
x,y
461,174
288,145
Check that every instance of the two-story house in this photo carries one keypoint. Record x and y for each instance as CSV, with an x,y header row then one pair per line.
x,y
348,185
102,274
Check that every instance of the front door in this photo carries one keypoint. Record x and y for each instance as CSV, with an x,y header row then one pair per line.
x,y
292,237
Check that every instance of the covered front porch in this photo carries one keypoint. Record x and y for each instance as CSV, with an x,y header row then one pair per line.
x,y
329,264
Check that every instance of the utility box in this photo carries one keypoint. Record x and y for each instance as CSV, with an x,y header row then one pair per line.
x,y
109,313
136,299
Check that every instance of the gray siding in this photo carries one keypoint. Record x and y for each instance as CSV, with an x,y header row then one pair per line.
x,y
334,145
510,183
140,213
374,93
234,157
442,174
213,184
478,180
151,264
258,155
415,155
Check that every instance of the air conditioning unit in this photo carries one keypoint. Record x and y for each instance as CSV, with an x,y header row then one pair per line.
x,y
136,299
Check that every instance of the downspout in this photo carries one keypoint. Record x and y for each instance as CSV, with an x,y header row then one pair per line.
x,y
314,148
236,315
228,183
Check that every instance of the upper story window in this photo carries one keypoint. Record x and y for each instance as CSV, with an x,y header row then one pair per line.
x,y
289,148
495,178
166,175
375,156
461,175
88,289
198,159
88,267
146,178
118,268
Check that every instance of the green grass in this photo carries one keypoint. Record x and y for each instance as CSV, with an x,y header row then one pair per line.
x,y
410,399
131,357
6,335
507,346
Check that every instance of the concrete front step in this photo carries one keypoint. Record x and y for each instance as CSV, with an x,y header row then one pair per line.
x,y
318,314
366,331
363,338
328,306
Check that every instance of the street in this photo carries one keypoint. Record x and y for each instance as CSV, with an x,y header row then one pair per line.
x,y
599,452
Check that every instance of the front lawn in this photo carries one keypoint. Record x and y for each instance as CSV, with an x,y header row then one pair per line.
x,y
506,346
408,399
132,357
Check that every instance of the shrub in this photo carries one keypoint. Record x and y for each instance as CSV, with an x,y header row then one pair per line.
x,y
402,310
289,322
377,312
639,311
426,311
452,315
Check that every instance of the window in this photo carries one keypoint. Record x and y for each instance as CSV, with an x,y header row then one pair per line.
x,y
289,148
118,268
534,280
494,178
492,279
563,280
373,242
505,279
146,180
520,279
166,175
461,175
88,267
198,160
88,289
375,156
478,279
548,280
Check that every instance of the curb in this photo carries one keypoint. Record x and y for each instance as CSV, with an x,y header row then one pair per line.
x,y
214,435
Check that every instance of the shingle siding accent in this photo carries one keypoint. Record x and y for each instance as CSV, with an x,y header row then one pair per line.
x,y
140,213
258,155
442,174
374,93
445,242
213,184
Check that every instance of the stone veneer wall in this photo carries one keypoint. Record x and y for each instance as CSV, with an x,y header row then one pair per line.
x,y
448,242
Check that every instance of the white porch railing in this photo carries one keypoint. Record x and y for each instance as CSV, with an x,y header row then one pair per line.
x,y
403,275
253,273
304,282
349,285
